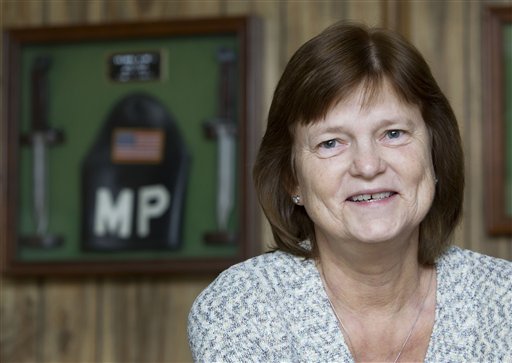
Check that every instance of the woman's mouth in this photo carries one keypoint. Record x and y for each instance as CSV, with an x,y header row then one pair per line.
x,y
373,197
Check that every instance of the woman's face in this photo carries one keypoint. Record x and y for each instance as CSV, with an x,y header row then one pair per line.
x,y
365,173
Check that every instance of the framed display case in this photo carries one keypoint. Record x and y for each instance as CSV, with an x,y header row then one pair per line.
x,y
128,148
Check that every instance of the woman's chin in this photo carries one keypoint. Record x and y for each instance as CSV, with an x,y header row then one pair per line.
x,y
377,237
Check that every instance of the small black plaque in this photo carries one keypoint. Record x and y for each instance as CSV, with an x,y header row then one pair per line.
x,y
137,66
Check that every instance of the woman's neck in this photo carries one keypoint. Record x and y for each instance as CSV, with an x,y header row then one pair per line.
x,y
368,278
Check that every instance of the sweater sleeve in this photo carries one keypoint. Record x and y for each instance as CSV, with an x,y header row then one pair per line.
x,y
236,319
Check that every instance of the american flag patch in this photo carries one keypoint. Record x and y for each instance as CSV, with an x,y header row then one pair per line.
x,y
137,145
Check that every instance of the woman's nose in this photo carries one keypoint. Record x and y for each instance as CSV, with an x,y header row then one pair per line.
x,y
367,160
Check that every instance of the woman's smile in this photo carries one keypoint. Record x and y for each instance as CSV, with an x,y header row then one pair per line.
x,y
371,197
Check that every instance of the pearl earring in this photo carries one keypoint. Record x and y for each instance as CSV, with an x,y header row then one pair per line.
x,y
296,199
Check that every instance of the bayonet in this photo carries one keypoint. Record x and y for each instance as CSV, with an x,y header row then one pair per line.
x,y
223,129
40,137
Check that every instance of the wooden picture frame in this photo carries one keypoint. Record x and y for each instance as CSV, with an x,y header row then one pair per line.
x,y
243,33
497,95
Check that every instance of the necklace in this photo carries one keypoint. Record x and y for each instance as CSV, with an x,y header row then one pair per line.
x,y
343,328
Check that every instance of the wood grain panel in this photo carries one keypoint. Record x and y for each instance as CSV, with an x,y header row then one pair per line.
x,y
368,12
70,321
306,19
442,44
121,316
60,13
471,128
21,327
22,13
94,12
270,13
144,320
395,15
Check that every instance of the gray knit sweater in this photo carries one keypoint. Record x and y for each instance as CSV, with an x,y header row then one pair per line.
x,y
273,308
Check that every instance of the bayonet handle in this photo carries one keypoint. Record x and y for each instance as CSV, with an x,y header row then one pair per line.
x,y
40,93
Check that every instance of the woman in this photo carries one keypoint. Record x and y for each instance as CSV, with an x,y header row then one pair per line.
x,y
360,174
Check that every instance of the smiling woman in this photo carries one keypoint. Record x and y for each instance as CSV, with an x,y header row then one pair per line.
x,y
361,184
350,64
360,174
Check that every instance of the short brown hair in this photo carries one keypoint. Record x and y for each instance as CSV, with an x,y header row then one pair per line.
x,y
324,71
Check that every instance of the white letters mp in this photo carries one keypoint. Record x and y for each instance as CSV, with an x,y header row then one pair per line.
x,y
114,217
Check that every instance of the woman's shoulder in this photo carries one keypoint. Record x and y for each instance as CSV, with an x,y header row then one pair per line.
x,y
462,261
476,278
239,315
474,307
263,274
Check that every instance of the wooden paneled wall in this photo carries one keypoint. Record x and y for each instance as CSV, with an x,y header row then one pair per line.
x,y
144,319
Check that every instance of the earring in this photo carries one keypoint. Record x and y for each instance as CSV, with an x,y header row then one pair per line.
x,y
296,199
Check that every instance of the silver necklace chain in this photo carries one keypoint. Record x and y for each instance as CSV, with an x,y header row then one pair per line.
x,y
343,328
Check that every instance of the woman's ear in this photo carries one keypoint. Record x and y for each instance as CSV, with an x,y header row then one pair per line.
x,y
292,188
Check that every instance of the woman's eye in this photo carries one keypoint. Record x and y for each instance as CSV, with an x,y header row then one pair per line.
x,y
329,148
394,134
329,144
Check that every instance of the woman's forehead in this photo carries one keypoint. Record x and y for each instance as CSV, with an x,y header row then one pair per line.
x,y
383,102
364,95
